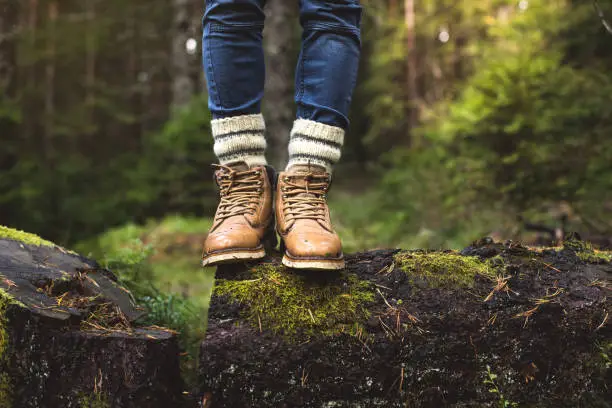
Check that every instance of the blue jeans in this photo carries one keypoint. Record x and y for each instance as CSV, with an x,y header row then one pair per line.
x,y
327,68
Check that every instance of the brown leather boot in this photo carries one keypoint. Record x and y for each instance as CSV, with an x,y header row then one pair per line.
x,y
243,222
302,220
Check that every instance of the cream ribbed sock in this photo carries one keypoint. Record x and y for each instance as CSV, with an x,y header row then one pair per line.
x,y
240,139
315,143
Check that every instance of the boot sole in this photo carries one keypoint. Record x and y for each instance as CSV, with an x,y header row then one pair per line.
x,y
313,263
232,256
237,256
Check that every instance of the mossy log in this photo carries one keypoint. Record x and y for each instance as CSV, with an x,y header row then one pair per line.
x,y
67,338
496,325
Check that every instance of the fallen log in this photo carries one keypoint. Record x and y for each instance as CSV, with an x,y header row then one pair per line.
x,y
67,338
497,325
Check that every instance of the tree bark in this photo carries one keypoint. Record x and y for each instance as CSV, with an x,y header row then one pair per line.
x,y
183,87
66,337
278,106
9,22
495,325
8,26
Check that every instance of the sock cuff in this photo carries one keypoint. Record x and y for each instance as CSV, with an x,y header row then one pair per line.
x,y
240,139
315,143
238,124
317,130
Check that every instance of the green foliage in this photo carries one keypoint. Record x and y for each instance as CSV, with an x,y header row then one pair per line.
x,y
526,130
159,263
95,400
296,306
379,96
175,168
123,251
81,197
491,381
517,131
416,205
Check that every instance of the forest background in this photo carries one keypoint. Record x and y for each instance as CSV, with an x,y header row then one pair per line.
x,y
470,118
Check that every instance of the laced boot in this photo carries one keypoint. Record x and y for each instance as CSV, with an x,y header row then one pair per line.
x,y
242,226
308,239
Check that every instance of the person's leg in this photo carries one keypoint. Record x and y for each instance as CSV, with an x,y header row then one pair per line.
x,y
325,79
235,72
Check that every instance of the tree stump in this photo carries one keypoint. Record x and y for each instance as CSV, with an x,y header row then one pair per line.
x,y
67,338
497,325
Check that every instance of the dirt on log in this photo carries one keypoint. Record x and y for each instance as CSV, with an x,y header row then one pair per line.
x,y
67,337
496,325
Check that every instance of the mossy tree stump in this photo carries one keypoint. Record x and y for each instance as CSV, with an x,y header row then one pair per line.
x,y
66,334
497,325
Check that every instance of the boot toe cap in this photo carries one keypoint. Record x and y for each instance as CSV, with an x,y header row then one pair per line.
x,y
231,238
315,246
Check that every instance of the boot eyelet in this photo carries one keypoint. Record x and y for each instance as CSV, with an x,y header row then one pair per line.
x,y
286,179
285,196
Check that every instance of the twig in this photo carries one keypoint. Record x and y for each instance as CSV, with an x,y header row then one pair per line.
x,y
602,17
604,322
311,316
382,296
528,314
551,267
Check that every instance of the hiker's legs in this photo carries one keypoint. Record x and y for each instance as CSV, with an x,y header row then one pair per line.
x,y
235,74
325,78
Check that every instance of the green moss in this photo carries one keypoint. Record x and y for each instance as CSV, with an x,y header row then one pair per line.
x,y
95,400
604,357
25,237
5,391
5,300
292,304
5,379
444,269
586,252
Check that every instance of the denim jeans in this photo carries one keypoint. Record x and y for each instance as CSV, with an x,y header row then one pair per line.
x,y
327,67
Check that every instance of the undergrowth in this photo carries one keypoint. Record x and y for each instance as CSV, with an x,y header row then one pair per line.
x,y
155,261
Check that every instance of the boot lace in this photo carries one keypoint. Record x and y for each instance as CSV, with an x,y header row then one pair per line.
x,y
307,200
240,191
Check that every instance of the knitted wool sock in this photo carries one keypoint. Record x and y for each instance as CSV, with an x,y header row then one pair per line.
x,y
240,139
314,143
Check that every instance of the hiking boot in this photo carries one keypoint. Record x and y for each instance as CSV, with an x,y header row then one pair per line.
x,y
243,222
308,239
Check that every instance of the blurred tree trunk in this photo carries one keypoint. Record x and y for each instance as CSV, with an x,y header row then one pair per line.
x,y
409,17
278,106
183,87
50,81
8,33
392,8
30,75
90,63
